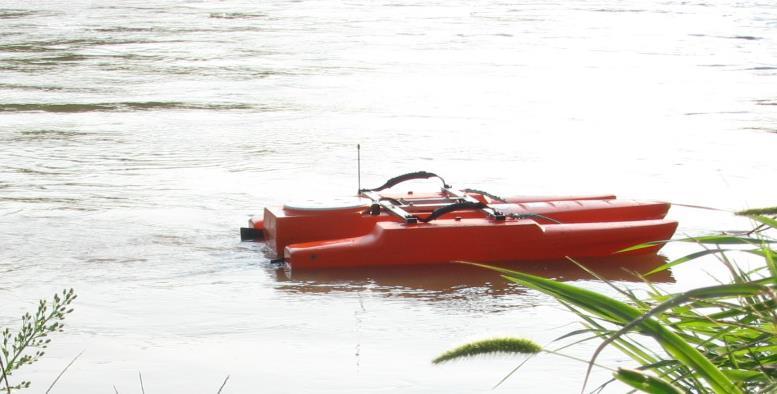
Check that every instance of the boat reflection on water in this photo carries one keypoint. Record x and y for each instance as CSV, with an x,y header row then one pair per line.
x,y
457,278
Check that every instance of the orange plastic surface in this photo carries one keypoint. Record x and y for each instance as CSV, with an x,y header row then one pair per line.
x,y
287,227
479,240
282,228
575,226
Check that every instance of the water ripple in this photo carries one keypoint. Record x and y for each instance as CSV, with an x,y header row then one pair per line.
x,y
127,106
16,14
237,15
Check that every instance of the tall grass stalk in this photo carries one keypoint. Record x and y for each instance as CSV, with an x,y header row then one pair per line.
x,y
63,372
29,344
715,339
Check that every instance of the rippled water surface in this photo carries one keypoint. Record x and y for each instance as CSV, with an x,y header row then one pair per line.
x,y
136,137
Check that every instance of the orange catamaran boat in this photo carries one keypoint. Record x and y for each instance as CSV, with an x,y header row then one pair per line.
x,y
440,227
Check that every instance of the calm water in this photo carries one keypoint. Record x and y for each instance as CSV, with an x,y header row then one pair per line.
x,y
136,137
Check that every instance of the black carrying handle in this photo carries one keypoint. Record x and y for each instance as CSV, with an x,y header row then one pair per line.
x,y
407,177
459,206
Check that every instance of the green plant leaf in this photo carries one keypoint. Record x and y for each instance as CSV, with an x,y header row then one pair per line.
x,y
771,261
686,258
707,240
644,246
645,382
622,313
744,375
725,240
771,222
720,339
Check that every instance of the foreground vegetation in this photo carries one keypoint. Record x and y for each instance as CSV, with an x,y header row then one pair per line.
x,y
717,339
29,344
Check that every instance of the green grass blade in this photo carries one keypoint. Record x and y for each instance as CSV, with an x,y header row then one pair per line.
x,y
707,239
771,222
615,310
722,291
644,382
724,240
736,310
771,261
644,246
745,375
686,258
712,292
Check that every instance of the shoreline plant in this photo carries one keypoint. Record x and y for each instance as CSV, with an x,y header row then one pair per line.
x,y
29,344
713,339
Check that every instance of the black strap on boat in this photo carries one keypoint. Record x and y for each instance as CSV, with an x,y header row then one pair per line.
x,y
459,206
406,177
487,194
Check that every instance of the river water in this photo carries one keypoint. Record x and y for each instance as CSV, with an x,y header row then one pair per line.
x,y
137,136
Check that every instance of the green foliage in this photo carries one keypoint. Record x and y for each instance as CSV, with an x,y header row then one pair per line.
x,y
490,346
644,382
717,339
619,313
28,344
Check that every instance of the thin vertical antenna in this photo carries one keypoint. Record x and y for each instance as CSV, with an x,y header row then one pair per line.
x,y
359,169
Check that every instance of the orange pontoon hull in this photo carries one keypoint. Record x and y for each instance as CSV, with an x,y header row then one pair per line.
x,y
283,227
478,240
